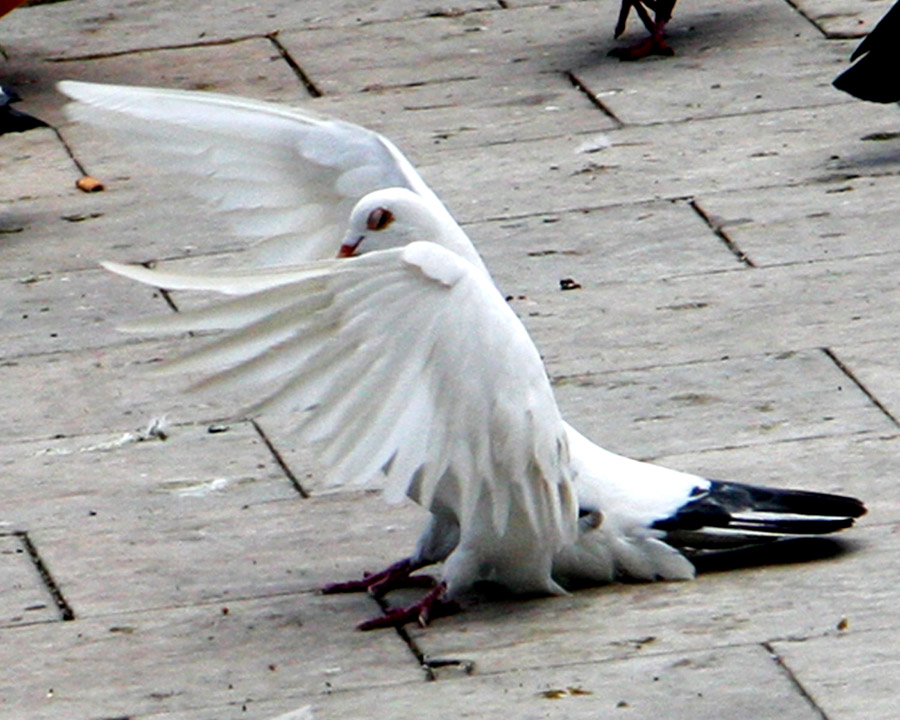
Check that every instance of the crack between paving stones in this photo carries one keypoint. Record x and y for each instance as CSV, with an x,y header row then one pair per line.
x,y
165,294
799,10
595,101
137,51
558,378
652,199
294,65
861,434
298,486
170,301
65,610
69,151
429,665
789,674
720,233
851,376
469,665
412,645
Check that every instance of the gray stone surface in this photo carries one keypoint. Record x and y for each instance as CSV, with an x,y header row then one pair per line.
x,y
730,220
182,659
853,674
703,684
24,599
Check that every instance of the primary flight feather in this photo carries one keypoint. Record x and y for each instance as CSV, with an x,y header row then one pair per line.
x,y
404,361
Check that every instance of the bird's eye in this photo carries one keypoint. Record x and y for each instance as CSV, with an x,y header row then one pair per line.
x,y
379,219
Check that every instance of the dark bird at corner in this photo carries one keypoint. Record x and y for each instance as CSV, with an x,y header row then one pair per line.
x,y
12,120
875,76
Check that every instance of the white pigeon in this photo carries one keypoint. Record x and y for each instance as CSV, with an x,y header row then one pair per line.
x,y
405,361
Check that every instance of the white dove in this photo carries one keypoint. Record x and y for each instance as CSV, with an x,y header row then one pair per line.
x,y
405,361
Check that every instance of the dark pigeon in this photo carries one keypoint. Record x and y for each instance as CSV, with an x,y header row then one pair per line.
x,y
876,77
12,120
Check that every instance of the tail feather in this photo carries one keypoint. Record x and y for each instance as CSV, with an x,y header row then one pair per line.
x,y
870,80
733,514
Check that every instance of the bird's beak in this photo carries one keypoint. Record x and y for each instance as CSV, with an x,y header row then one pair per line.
x,y
348,249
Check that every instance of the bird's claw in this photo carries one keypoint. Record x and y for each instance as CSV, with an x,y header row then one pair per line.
x,y
398,575
433,605
654,44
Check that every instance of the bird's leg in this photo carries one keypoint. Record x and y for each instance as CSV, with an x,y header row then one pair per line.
x,y
433,605
655,43
640,7
622,21
377,584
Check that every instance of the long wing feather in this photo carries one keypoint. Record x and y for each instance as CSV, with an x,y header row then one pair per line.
x,y
406,363
280,175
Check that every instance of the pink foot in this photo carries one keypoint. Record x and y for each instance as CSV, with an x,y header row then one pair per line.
x,y
377,584
653,44
433,605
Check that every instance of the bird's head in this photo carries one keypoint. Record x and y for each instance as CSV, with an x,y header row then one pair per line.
x,y
389,218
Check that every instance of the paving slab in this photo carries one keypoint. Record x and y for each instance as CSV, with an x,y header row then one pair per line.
x,y
700,684
103,389
815,588
630,243
822,222
843,18
544,39
212,497
639,411
110,479
726,215
57,312
188,659
875,367
849,675
485,108
644,324
34,164
723,403
785,66
110,28
76,231
244,550
252,67
783,148
24,599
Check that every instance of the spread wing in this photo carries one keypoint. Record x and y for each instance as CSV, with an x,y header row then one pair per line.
x,y
279,175
404,362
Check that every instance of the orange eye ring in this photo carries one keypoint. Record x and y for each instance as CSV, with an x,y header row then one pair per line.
x,y
379,219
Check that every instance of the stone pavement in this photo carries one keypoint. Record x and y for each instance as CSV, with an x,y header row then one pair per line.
x,y
732,223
